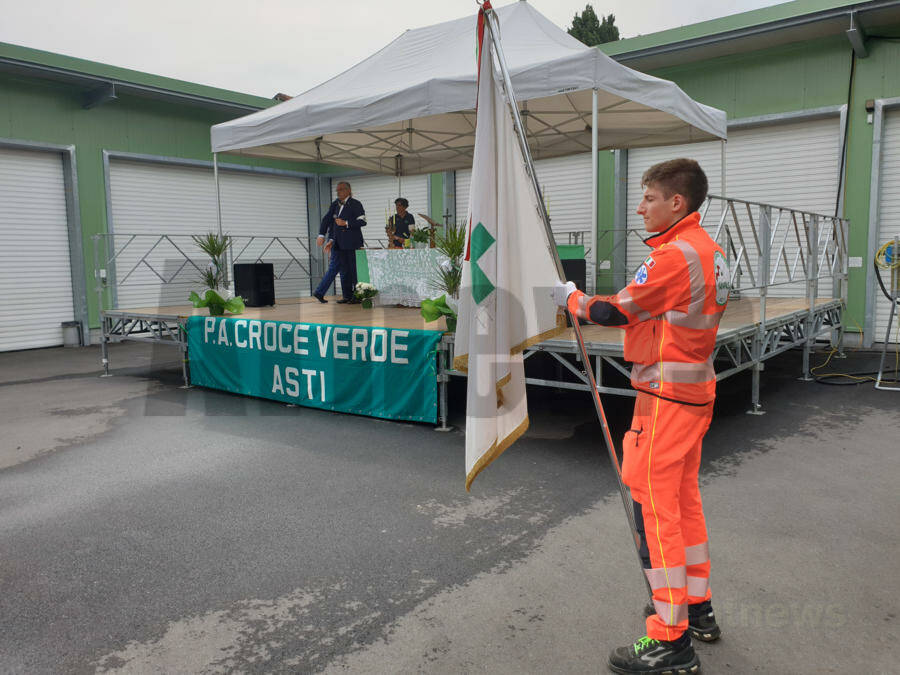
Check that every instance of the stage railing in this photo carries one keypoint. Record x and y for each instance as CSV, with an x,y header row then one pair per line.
x,y
147,270
771,250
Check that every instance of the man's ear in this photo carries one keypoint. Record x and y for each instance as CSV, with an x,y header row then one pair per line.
x,y
679,204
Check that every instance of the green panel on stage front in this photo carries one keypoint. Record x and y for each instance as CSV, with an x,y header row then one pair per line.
x,y
570,251
362,266
380,372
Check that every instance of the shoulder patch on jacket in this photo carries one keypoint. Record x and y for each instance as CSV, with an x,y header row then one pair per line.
x,y
640,276
723,278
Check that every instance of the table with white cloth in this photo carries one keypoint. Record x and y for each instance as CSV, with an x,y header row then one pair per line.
x,y
404,276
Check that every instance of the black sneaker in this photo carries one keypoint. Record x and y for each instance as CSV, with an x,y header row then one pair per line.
x,y
656,656
701,621
320,298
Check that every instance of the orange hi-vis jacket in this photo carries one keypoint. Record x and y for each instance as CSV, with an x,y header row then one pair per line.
x,y
670,312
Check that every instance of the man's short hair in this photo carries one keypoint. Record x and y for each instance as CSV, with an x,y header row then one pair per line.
x,y
402,201
343,182
679,176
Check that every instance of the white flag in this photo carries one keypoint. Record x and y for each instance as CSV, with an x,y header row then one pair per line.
x,y
505,304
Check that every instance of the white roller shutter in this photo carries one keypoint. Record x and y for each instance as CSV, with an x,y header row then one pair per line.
x,y
792,165
377,194
180,201
888,217
463,183
566,186
35,271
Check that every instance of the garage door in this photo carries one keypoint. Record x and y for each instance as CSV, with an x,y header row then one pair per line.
x,y
888,217
151,200
35,272
566,185
792,165
377,194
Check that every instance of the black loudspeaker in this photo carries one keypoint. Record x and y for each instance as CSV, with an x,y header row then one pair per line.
x,y
255,283
576,271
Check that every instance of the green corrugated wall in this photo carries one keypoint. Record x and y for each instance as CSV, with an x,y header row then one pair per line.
x,y
797,77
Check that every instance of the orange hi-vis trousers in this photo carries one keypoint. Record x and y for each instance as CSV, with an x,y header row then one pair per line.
x,y
661,460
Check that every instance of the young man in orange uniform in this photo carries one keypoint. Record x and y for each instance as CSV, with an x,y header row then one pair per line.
x,y
670,312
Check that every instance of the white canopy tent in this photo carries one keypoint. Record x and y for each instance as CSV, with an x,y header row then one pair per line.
x,y
409,108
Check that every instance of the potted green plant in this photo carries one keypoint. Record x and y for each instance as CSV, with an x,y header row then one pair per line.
x,y
432,310
364,293
448,275
420,237
215,296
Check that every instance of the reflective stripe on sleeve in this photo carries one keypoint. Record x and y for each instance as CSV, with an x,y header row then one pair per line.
x,y
627,303
582,307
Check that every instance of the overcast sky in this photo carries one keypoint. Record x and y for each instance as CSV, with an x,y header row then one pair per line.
x,y
266,46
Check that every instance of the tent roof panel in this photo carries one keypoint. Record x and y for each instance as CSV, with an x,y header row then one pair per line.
x,y
415,99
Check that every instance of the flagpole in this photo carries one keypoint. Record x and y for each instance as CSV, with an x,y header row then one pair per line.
x,y
598,405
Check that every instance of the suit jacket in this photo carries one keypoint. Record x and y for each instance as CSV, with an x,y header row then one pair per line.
x,y
345,238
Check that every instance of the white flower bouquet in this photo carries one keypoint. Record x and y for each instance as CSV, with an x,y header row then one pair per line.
x,y
364,293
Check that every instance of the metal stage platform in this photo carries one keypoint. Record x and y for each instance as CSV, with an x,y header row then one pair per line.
x,y
778,259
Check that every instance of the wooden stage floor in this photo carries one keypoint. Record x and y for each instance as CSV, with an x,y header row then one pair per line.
x,y
741,314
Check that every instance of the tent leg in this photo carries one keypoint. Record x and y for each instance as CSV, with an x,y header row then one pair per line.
x,y
594,141
219,206
722,144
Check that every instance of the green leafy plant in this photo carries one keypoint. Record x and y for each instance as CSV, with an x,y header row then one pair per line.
x,y
434,309
215,246
213,277
448,275
364,293
216,303
420,235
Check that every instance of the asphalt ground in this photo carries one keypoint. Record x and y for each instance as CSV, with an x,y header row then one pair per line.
x,y
147,528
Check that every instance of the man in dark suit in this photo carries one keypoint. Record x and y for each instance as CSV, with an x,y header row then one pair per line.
x,y
342,226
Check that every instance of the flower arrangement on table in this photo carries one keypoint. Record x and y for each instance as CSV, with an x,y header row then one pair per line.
x,y
364,293
216,297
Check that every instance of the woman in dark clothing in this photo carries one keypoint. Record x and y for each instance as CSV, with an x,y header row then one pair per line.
x,y
401,222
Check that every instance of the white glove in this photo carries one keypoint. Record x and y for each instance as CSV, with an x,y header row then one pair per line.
x,y
561,292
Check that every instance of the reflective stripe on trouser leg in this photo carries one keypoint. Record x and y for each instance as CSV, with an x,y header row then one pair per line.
x,y
659,578
668,581
693,525
666,456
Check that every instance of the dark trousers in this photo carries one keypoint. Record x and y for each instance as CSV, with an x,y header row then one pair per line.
x,y
347,262
333,269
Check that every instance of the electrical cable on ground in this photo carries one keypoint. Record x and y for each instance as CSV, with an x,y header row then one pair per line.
x,y
885,259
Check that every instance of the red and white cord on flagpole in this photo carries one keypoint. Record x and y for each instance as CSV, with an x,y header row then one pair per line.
x,y
488,18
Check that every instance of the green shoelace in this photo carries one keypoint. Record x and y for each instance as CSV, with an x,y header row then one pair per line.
x,y
644,644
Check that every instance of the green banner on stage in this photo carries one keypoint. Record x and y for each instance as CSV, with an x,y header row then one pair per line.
x,y
381,372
